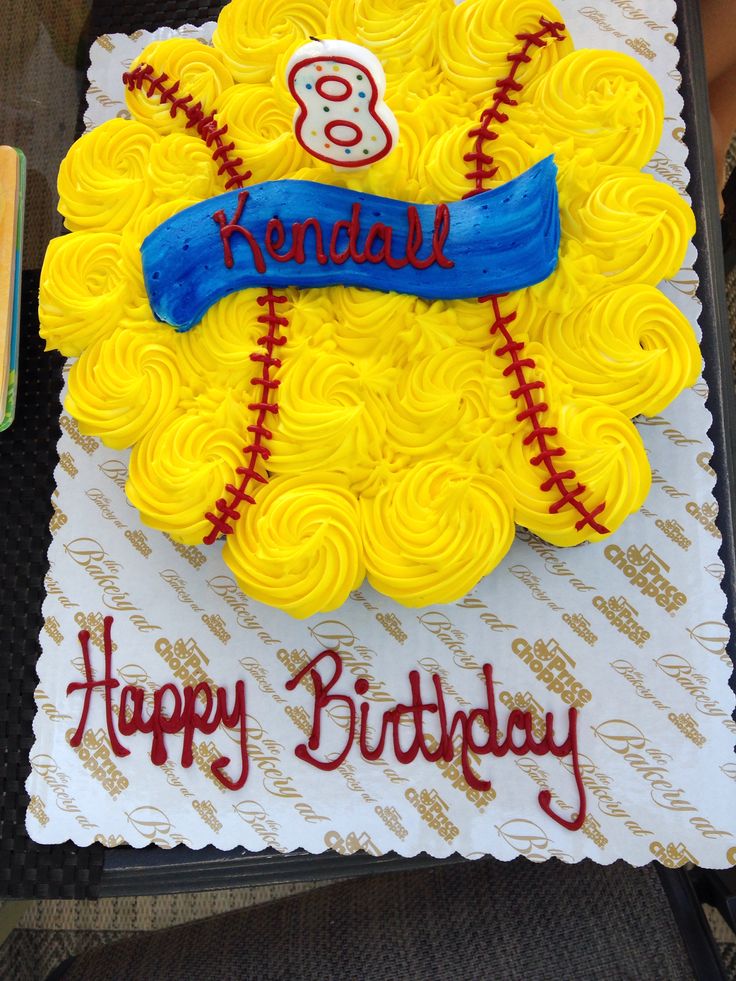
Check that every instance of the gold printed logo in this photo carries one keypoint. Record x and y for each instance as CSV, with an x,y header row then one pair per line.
x,y
110,841
641,47
452,772
550,664
185,659
190,553
392,625
527,703
703,461
623,616
96,754
53,629
352,843
672,856
204,755
66,462
592,829
93,623
688,727
139,542
37,810
58,518
86,443
392,819
208,812
581,626
644,570
675,532
705,515
433,811
217,625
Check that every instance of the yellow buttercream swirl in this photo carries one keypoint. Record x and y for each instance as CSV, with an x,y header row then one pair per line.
x,y
103,180
332,413
145,222
182,167
217,352
452,403
83,290
636,227
181,466
262,130
250,36
299,546
476,36
606,102
395,33
630,348
397,445
434,531
122,383
200,72
606,453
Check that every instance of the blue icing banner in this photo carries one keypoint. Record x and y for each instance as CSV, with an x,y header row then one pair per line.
x,y
305,234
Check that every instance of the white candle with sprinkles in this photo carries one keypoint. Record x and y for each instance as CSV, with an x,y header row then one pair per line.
x,y
341,116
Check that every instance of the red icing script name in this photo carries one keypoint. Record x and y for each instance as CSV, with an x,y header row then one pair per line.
x,y
343,244
478,730
194,709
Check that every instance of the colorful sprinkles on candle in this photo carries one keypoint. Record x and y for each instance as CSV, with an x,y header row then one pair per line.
x,y
349,89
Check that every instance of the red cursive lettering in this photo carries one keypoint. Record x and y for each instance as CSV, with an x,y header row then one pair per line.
x,y
464,727
228,229
184,713
377,247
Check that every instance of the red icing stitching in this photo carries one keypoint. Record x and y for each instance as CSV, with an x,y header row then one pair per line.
x,y
539,433
502,97
512,349
206,126
228,511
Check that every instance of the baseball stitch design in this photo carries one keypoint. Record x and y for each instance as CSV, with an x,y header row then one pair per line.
x,y
227,511
206,125
513,349
208,129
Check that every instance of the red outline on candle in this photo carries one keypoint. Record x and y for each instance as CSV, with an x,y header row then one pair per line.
x,y
300,119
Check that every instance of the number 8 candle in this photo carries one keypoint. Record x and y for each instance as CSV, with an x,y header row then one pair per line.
x,y
342,118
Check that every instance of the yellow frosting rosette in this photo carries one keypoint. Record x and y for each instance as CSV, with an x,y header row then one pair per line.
x,y
199,71
299,546
410,436
434,531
